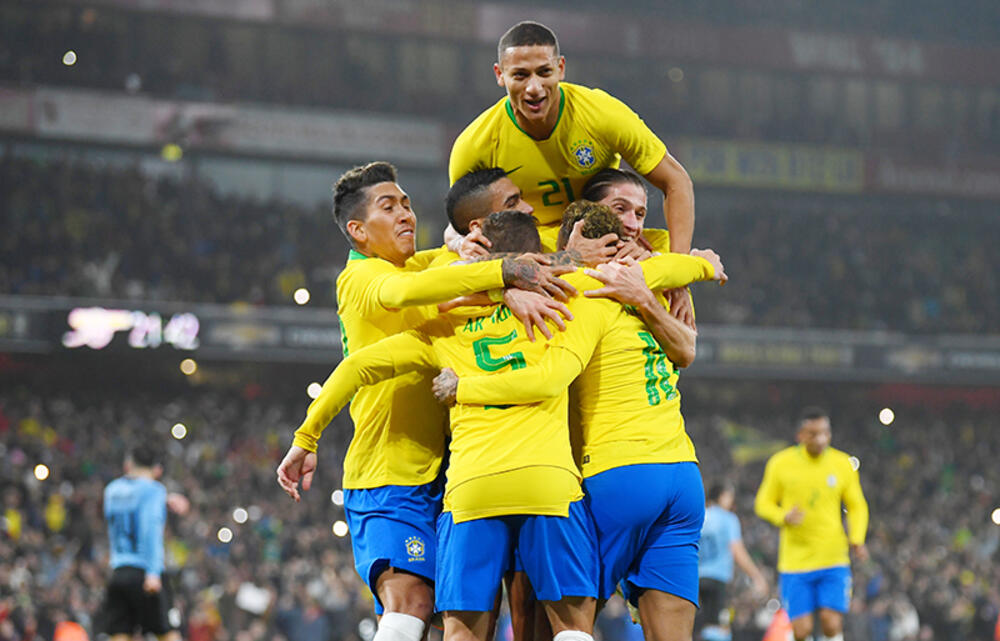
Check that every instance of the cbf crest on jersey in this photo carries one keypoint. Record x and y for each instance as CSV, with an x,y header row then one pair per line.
x,y
415,548
583,153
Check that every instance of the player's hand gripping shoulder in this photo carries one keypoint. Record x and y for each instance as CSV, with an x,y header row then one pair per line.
x,y
298,464
445,386
538,273
623,281
533,310
638,249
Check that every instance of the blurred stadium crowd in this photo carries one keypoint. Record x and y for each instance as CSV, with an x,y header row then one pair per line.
x,y
929,478
81,230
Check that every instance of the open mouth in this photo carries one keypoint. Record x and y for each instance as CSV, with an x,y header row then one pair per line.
x,y
405,233
534,105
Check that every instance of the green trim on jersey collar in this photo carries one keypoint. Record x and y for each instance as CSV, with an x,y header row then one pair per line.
x,y
513,118
356,255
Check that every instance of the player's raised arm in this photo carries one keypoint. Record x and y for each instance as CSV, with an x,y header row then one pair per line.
x,y
670,177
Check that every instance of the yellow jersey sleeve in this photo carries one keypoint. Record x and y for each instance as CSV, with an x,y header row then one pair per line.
x,y
659,239
668,271
385,359
857,510
396,289
426,258
626,132
767,503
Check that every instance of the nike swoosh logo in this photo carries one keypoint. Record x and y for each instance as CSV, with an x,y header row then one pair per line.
x,y
510,171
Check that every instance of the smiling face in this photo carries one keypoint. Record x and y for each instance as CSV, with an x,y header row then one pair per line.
x,y
628,201
531,76
389,228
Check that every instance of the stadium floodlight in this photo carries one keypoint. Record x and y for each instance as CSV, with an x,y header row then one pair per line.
x,y
188,366
996,516
301,296
41,471
240,515
179,431
886,416
340,528
225,535
69,58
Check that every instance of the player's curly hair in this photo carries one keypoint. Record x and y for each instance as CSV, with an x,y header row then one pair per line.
x,y
526,34
462,203
598,221
350,189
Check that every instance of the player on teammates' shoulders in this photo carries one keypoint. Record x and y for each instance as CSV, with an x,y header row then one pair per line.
x,y
551,136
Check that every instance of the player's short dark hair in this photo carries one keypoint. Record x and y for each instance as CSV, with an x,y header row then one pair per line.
x,y
601,183
812,413
350,189
598,221
144,455
717,489
526,34
462,203
512,231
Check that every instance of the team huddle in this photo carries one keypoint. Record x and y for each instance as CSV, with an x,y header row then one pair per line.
x,y
514,392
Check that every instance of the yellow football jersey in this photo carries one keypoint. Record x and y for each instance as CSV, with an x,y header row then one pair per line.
x,y
627,402
819,486
399,430
595,130
504,459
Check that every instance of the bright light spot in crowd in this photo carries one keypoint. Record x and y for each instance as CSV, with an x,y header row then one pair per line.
x,y
188,366
225,534
996,516
340,528
855,462
886,416
337,498
676,74
69,58
178,431
41,472
313,390
301,296
240,515
171,152
773,605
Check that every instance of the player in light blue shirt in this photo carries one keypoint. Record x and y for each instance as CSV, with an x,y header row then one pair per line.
x,y
721,545
135,508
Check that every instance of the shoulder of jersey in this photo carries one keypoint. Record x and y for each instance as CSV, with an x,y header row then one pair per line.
x,y
484,123
582,96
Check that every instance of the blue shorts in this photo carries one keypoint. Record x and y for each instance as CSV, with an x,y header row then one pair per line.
x,y
559,556
648,520
804,592
393,526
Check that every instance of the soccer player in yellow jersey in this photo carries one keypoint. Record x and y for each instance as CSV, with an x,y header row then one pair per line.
x,y
393,461
628,416
552,136
804,491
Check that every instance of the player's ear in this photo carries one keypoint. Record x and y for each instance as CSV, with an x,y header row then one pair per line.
x,y
476,224
562,67
498,72
357,231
